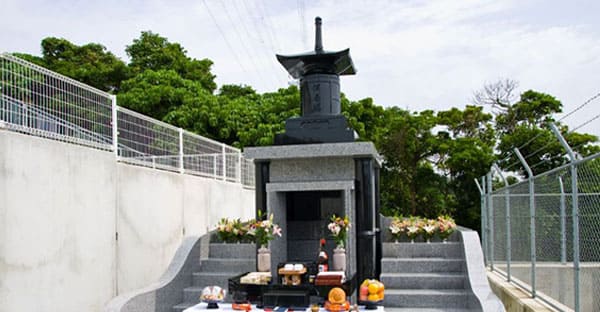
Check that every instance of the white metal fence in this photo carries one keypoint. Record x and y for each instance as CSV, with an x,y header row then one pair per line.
x,y
40,102
543,233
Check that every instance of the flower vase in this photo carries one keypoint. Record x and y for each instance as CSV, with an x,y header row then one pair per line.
x,y
412,240
263,260
339,259
445,241
428,241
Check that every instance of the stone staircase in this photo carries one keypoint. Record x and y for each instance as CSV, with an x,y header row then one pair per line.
x,y
224,261
426,277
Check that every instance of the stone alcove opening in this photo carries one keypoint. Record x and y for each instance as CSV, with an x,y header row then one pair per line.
x,y
307,216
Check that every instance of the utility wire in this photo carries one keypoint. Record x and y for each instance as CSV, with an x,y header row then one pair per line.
x,y
225,38
530,140
258,71
268,24
265,39
300,5
269,27
512,165
586,123
539,150
581,106
547,160
248,36
596,96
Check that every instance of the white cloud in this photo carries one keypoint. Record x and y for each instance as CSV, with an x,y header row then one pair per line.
x,y
416,54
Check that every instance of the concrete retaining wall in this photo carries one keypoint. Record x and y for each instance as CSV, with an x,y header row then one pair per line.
x,y
556,281
62,206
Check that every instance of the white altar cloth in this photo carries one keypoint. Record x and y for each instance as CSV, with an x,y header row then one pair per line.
x,y
226,307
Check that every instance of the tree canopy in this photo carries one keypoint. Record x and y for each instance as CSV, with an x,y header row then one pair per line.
x,y
431,158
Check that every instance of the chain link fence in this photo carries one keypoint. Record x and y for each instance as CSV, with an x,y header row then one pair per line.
x,y
543,233
37,101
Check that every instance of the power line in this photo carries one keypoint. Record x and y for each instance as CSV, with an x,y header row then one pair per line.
x,y
585,123
539,150
300,6
248,35
530,140
258,72
547,160
581,106
268,24
512,165
267,43
224,37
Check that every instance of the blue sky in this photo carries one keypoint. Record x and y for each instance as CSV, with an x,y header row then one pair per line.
x,y
412,54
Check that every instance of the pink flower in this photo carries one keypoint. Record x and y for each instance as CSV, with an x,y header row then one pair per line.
x,y
277,230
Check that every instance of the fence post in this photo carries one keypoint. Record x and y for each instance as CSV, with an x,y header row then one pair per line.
x,y
215,155
483,217
115,126
563,225
490,218
224,162
239,168
507,215
181,165
532,217
575,213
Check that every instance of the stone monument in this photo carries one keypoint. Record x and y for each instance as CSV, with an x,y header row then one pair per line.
x,y
316,169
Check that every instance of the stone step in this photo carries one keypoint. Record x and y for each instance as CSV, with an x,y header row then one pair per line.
x,y
421,265
423,280
427,298
182,306
423,250
228,265
237,251
221,279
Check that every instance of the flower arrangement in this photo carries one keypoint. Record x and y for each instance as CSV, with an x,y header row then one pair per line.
x,y
264,231
399,227
231,231
429,228
339,229
446,226
414,227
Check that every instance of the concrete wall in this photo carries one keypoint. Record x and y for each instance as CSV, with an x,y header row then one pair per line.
x,y
61,206
556,281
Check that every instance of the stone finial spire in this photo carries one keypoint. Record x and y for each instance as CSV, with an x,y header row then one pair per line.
x,y
318,37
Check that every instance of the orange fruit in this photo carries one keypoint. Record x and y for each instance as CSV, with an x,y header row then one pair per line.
x,y
337,295
373,289
373,297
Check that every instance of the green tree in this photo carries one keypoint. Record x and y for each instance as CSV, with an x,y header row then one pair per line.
x,y
366,118
91,63
525,125
153,52
157,93
465,153
410,179
238,116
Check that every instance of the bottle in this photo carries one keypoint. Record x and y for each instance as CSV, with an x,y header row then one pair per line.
x,y
323,258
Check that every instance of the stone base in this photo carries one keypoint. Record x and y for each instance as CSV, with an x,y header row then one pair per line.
x,y
315,129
